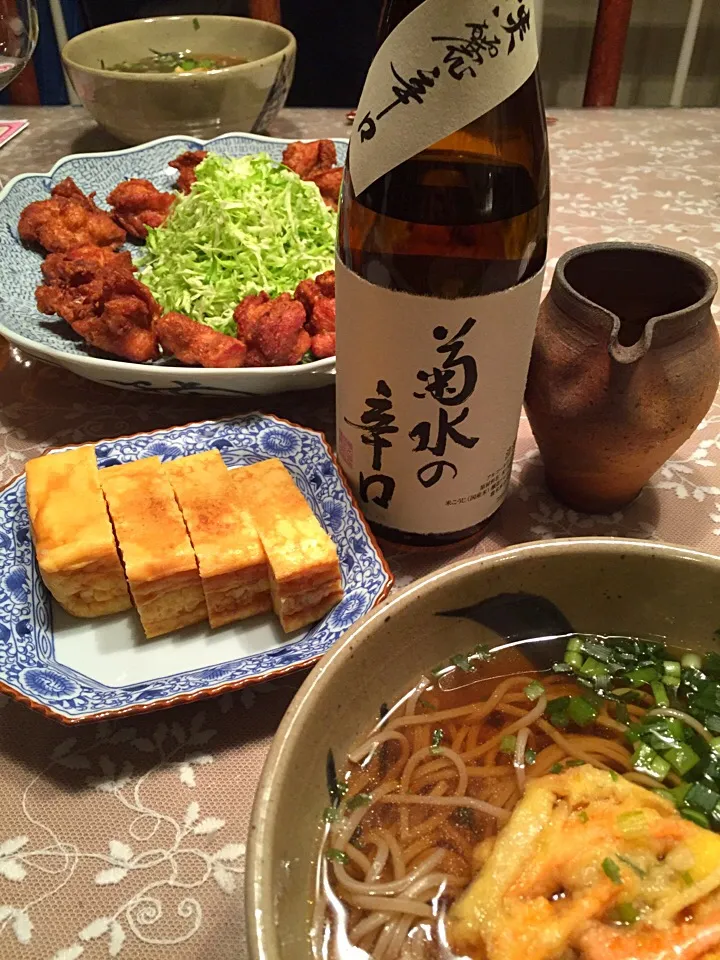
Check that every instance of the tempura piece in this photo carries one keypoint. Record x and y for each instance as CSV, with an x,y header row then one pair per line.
x,y
305,578
67,220
186,164
197,344
233,567
272,330
577,845
138,204
73,538
159,561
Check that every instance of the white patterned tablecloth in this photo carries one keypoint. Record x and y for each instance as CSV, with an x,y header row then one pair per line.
x,y
128,839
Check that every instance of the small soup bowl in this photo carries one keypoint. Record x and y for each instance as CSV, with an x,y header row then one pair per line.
x,y
596,586
136,107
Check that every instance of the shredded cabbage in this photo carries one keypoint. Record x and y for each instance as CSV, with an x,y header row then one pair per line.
x,y
249,224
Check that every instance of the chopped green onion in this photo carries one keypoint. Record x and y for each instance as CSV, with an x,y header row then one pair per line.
x,y
573,659
613,776
621,713
574,763
582,816
557,711
670,681
641,676
646,760
427,704
330,814
633,866
682,758
665,794
594,668
671,668
483,652
359,800
461,661
556,768
679,793
687,878
530,757
534,690
712,722
581,712
507,744
337,855
611,870
691,661
702,798
437,739
695,816
715,744
574,645
660,694
627,913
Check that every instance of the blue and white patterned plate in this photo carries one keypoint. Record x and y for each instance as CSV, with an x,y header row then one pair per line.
x,y
76,670
51,340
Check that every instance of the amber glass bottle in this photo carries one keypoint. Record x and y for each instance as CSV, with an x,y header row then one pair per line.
x,y
440,260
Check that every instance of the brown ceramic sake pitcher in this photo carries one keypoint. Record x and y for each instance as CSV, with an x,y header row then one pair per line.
x,y
625,365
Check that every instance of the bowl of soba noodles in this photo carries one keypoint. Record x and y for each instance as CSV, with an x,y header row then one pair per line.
x,y
516,758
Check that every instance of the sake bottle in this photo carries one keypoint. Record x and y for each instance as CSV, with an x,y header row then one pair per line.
x,y
441,251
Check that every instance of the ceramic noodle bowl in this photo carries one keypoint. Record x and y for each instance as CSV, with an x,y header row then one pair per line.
x,y
625,365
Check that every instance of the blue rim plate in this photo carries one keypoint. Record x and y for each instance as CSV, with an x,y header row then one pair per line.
x,y
78,670
50,339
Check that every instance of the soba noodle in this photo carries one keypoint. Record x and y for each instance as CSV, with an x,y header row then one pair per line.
x,y
440,774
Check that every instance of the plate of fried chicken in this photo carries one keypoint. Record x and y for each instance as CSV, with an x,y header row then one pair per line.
x,y
73,288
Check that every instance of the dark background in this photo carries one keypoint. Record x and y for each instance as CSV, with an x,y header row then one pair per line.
x,y
336,39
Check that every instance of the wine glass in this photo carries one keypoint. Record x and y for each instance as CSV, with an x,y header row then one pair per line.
x,y
18,36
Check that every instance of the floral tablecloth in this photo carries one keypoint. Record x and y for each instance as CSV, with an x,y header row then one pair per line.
x,y
128,839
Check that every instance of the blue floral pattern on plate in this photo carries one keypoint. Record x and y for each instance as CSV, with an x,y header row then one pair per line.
x,y
28,667
51,340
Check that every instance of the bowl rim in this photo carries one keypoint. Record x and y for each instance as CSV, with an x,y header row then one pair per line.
x,y
201,374
258,895
219,73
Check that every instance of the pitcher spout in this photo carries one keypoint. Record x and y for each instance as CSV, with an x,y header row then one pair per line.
x,y
630,353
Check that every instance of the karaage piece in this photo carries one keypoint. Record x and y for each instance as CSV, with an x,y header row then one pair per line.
x,y
309,159
67,220
186,165
138,204
272,330
107,307
317,162
196,344
118,328
322,345
328,183
326,283
321,326
81,264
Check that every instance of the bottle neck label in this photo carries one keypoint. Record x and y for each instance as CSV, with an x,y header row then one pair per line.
x,y
446,64
429,394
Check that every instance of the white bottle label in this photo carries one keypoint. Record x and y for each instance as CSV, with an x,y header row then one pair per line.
x,y
429,393
446,64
